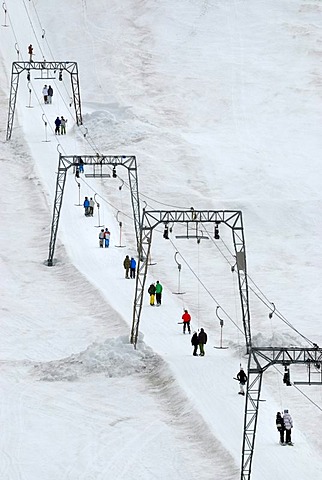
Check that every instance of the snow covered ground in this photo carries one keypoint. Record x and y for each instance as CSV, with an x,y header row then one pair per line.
x,y
221,104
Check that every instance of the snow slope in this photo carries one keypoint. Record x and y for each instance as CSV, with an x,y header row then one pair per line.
x,y
220,103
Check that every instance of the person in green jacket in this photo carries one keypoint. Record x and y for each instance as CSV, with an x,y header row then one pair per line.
x,y
158,293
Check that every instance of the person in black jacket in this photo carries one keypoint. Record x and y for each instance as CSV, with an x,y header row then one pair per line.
x,y
57,126
280,427
195,343
242,378
202,337
151,292
50,94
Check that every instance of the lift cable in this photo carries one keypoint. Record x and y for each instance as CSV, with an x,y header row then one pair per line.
x,y
33,29
204,286
264,300
299,390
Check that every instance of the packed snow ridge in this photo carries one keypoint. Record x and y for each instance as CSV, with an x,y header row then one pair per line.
x,y
114,358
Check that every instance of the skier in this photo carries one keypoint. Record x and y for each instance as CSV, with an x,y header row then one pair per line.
x,y
151,292
63,122
107,237
86,206
126,265
45,94
280,427
30,52
202,337
101,237
242,378
132,268
50,94
186,321
57,123
288,424
158,293
91,206
195,343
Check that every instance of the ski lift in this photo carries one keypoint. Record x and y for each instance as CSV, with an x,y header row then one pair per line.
x,y
98,212
5,15
270,315
28,86
216,233
120,227
221,323
79,187
45,124
17,50
287,377
179,274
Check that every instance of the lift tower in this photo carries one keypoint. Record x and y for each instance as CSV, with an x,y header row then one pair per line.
x,y
260,358
20,67
151,219
97,161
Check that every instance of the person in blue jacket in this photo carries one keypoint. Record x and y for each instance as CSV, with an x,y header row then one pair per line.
x,y
86,206
132,268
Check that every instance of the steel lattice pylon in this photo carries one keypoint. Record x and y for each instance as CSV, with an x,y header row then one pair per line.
x,y
66,162
261,358
20,67
151,219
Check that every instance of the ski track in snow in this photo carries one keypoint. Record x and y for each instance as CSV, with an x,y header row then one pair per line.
x,y
74,389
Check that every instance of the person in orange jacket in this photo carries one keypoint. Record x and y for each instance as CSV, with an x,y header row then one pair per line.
x,y
186,321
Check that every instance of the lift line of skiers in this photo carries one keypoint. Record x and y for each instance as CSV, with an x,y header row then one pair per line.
x,y
60,122
48,92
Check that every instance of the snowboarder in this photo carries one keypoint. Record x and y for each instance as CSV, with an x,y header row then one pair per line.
x,y
91,206
202,337
45,94
158,293
30,52
126,265
86,206
57,123
50,94
63,122
242,378
107,236
101,237
288,424
151,292
195,343
186,321
132,268
280,427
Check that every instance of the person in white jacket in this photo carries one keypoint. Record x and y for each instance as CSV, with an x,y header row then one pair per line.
x,y
45,93
288,425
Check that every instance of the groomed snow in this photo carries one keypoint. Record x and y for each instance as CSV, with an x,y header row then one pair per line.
x,y
220,102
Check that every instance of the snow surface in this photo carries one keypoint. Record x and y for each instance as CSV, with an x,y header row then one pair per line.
x,y
220,101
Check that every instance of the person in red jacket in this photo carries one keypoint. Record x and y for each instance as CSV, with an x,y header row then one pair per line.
x,y
186,321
